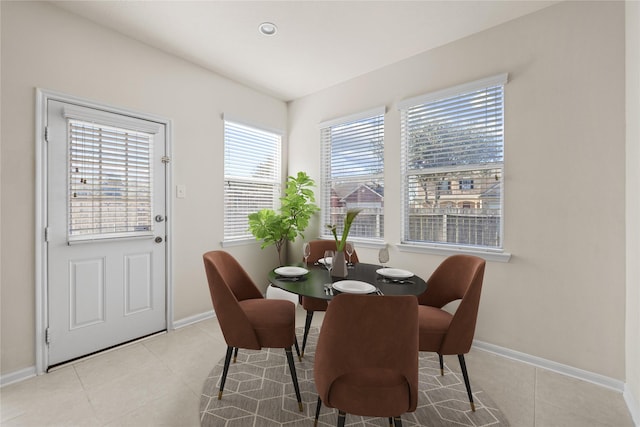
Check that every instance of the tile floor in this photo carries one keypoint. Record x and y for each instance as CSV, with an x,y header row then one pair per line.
x,y
157,382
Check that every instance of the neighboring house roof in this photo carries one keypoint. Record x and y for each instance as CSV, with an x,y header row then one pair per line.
x,y
370,193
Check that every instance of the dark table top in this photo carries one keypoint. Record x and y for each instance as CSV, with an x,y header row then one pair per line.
x,y
312,284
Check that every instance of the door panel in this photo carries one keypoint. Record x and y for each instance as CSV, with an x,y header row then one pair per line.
x,y
138,289
86,292
106,253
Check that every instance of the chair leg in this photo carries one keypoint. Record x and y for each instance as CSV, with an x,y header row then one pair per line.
x,y
465,375
235,355
297,349
390,421
318,405
342,417
294,377
397,421
225,370
307,326
441,364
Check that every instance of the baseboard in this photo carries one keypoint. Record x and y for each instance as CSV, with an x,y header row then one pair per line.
x,y
550,365
17,376
193,319
632,404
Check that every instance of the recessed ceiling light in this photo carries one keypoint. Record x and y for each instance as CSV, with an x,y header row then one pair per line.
x,y
268,28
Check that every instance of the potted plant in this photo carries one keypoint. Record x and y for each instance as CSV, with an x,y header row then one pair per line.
x,y
339,263
296,208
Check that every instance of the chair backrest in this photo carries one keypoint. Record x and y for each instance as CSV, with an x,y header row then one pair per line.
x,y
229,283
319,246
458,277
364,331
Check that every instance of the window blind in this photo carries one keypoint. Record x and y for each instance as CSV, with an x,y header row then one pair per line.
x,y
110,177
252,175
453,167
353,174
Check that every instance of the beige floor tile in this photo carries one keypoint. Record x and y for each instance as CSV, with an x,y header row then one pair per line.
x,y
182,345
210,327
131,392
509,383
112,365
190,353
193,372
180,407
74,410
28,395
580,399
548,415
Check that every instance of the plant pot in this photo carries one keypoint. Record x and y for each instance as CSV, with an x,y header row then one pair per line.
x,y
339,265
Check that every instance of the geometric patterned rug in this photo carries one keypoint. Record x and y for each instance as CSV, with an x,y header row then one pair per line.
x,y
259,393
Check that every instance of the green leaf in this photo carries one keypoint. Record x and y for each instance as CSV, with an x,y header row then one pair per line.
x,y
348,220
297,208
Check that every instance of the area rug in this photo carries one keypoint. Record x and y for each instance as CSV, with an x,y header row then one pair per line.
x,y
259,393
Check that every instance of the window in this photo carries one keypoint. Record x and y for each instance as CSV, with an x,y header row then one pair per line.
x,y
465,184
353,173
109,179
251,176
452,155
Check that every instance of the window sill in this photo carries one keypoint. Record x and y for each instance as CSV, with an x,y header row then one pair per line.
x,y
489,255
239,242
360,242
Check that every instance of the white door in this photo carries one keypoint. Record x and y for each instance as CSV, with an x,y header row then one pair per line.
x,y
106,216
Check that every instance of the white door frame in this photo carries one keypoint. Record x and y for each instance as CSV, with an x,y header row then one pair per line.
x,y
42,315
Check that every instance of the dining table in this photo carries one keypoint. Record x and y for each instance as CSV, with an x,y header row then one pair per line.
x,y
318,283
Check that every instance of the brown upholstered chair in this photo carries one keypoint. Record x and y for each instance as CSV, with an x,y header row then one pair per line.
x,y
458,277
366,360
311,304
248,320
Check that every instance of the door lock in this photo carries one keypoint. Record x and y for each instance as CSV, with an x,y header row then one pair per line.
x,y
159,218
158,239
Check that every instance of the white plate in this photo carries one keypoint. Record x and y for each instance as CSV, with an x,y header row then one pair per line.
x,y
354,287
394,273
291,271
325,261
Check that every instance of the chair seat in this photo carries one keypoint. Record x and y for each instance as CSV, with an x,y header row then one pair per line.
x,y
272,320
433,326
372,392
314,304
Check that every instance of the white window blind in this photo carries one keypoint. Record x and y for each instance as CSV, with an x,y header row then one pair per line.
x,y
251,176
110,175
353,173
453,166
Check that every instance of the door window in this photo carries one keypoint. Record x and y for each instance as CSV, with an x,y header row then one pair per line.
x,y
110,171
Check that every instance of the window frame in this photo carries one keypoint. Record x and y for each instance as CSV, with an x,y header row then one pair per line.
x,y
326,180
444,248
275,182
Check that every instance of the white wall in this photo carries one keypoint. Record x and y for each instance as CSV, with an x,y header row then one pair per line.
x,y
46,47
633,206
562,295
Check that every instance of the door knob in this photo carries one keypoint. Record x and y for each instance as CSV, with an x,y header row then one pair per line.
x,y
158,239
159,218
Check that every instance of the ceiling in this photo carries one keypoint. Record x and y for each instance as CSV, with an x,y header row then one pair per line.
x,y
318,44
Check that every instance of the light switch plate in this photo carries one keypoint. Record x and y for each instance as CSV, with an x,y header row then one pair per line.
x,y
181,191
